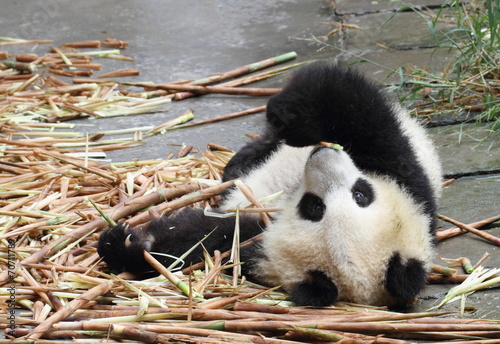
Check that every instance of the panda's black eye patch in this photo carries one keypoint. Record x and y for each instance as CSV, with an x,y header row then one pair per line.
x,y
311,207
362,193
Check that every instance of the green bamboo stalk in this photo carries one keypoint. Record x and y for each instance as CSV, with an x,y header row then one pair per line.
x,y
252,67
180,284
103,214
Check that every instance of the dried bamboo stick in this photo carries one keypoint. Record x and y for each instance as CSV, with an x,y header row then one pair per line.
x,y
166,208
201,90
445,271
240,81
441,279
484,235
120,73
222,118
82,44
451,232
69,309
114,43
26,41
252,241
71,73
21,66
358,327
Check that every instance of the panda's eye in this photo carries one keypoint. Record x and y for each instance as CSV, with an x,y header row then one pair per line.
x,y
311,207
362,193
359,198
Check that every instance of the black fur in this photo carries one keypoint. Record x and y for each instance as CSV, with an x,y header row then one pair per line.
x,y
404,280
311,207
324,102
363,193
318,290
174,235
251,156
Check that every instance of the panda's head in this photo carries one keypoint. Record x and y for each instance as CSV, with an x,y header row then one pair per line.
x,y
359,237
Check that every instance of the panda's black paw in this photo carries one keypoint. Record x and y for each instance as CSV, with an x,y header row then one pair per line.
x,y
292,118
122,249
405,279
317,291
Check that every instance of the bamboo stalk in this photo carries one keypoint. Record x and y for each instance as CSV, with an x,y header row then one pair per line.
x,y
185,117
25,41
252,67
120,73
241,71
82,44
222,118
484,235
71,73
444,270
70,308
201,90
166,208
80,109
451,232
186,290
115,43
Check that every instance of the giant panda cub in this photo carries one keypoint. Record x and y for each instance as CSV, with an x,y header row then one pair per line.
x,y
354,224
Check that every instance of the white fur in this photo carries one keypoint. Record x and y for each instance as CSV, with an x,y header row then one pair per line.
x,y
352,245
282,171
422,146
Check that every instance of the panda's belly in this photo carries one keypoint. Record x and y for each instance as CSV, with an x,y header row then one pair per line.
x,y
282,171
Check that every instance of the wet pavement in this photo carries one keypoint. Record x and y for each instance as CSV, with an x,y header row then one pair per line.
x,y
190,39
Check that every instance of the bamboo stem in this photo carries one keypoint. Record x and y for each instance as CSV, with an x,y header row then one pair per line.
x,y
451,232
69,309
222,118
484,235
201,90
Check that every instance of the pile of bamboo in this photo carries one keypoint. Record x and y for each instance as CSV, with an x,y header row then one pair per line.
x,y
53,208
54,204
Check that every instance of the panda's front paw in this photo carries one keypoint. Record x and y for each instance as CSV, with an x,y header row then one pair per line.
x,y
317,291
294,121
122,249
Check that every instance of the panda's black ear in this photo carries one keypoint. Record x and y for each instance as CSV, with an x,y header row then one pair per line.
x,y
405,280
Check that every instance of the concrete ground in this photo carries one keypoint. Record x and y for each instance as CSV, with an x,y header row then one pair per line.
x,y
172,40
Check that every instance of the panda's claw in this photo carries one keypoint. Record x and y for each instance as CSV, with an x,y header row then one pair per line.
x,y
147,245
128,242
